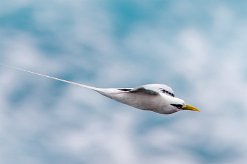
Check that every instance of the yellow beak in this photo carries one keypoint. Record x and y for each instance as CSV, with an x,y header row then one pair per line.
x,y
190,107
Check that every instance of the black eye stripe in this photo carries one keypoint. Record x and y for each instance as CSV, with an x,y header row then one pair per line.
x,y
179,106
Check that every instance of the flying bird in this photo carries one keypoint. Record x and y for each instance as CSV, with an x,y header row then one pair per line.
x,y
158,98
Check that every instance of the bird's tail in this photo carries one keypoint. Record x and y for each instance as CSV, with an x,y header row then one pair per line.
x,y
50,77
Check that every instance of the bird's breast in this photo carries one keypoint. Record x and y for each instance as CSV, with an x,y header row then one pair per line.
x,y
141,101
155,103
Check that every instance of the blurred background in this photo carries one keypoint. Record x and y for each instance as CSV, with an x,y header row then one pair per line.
x,y
196,47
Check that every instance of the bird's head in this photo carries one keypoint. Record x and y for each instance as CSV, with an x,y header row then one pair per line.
x,y
177,104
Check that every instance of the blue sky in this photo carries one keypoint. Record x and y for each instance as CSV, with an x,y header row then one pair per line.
x,y
198,48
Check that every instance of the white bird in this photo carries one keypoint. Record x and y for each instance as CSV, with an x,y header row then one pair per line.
x,y
158,98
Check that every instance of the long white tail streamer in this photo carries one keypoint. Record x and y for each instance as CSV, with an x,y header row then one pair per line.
x,y
47,76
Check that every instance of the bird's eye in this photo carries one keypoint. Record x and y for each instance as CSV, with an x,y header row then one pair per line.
x,y
179,106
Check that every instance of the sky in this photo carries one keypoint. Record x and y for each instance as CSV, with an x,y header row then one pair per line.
x,y
196,47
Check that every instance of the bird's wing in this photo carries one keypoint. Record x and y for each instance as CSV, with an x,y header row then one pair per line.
x,y
144,90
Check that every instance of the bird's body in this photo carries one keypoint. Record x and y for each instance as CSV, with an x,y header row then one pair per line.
x,y
142,97
158,98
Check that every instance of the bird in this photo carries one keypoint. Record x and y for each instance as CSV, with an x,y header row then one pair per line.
x,y
158,98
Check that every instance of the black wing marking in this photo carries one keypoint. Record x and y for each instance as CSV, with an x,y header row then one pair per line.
x,y
144,91
125,89
167,92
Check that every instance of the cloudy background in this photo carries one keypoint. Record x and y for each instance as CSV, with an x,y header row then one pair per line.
x,y
196,47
